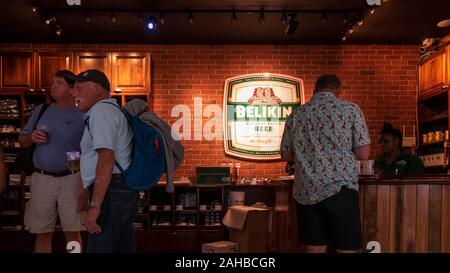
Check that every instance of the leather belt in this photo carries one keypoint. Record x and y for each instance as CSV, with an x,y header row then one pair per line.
x,y
54,174
116,176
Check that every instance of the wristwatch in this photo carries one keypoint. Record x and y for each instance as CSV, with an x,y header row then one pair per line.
x,y
93,205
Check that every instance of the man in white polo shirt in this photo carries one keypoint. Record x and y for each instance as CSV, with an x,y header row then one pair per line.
x,y
106,142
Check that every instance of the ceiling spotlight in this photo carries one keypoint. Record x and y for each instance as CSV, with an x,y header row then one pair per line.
x,y
162,18
262,18
151,23
87,17
344,19
58,30
50,19
324,18
372,10
351,29
35,5
284,18
140,17
360,20
343,35
293,24
190,18
113,17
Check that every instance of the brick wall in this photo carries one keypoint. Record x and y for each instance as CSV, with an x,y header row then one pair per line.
x,y
382,79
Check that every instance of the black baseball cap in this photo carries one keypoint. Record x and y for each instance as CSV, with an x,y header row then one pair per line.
x,y
94,75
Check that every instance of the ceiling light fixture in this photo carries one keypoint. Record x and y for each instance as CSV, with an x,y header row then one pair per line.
x,y
162,18
344,19
293,24
190,18
262,18
151,23
140,16
324,18
59,30
113,17
87,17
34,7
50,19
284,18
233,17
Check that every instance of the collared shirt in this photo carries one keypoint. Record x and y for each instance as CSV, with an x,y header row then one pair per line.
x,y
404,163
322,134
64,130
109,129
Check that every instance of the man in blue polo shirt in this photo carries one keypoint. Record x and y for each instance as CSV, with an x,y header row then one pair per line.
x,y
107,138
55,188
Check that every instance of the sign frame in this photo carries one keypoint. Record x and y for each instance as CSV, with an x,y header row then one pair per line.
x,y
228,88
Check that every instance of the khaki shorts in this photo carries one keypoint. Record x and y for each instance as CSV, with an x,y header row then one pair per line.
x,y
50,197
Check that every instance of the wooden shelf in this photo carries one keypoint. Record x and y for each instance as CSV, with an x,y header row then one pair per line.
x,y
441,117
436,143
433,93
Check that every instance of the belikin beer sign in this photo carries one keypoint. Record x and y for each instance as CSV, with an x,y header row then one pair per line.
x,y
256,107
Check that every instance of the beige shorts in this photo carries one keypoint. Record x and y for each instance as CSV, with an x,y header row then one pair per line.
x,y
50,197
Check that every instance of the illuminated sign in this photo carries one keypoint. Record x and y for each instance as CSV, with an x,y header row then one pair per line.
x,y
256,107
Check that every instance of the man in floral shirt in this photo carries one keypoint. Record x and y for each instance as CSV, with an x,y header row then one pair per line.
x,y
325,137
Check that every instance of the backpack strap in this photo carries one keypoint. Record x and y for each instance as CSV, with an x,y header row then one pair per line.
x,y
86,124
41,112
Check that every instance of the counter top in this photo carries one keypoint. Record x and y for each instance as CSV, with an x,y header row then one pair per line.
x,y
428,179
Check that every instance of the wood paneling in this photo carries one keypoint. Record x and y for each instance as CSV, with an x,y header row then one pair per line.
x,y
131,72
93,60
382,218
447,54
432,73
47,64
423,207
445,227
435,219
369,223
16,71
408,218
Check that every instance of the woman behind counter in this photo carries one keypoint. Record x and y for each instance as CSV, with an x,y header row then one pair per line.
x,y
395,160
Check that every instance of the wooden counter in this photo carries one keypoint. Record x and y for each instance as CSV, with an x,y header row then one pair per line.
x,y
404,214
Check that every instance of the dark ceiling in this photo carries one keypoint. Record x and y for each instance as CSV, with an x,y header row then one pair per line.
x,y
395,22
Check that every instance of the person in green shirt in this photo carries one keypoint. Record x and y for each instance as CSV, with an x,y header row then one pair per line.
x,y
395,160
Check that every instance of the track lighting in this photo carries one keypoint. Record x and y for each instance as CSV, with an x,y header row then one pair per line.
x,y
324,18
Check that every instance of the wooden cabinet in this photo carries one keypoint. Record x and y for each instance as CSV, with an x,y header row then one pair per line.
x,y
131,72
447,55
93,60
433,110
433,73
47,64
16,71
